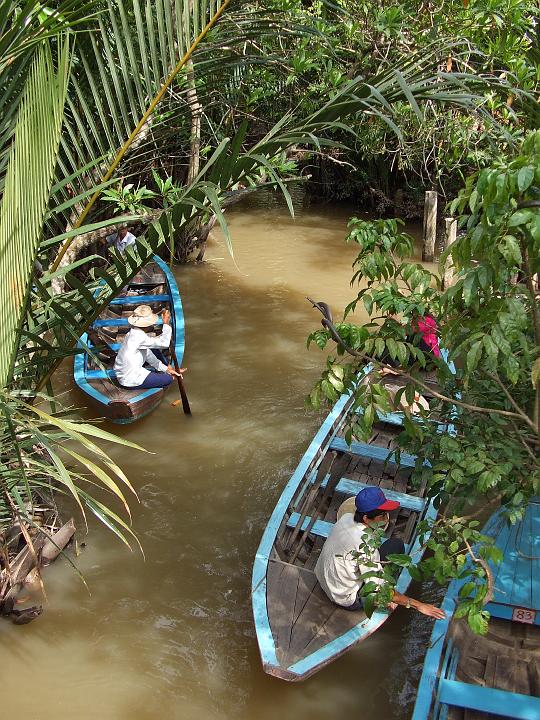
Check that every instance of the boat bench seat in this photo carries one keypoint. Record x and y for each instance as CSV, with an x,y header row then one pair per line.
x,y
139,299
373,452
116,322
112,346
488,700
353,487
393,418
320,527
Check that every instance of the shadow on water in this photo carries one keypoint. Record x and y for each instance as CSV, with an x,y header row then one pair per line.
x,y
172,636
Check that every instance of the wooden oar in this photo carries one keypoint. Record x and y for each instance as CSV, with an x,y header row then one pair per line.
x,y
181,387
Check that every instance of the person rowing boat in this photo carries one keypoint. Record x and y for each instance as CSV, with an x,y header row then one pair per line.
x,y
139,348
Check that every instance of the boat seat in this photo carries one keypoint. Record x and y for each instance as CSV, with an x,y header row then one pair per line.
x,y
112,346
320,527
139,299
373,452
394,418
116,322
353,487
488,700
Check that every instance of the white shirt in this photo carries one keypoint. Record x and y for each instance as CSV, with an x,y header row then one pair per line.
x,y
121,243
337,570
136,350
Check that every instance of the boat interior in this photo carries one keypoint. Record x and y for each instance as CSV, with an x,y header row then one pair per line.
x,y
148,287
301,616
507,658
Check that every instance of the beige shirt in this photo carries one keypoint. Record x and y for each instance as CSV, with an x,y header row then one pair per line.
x,y
337,571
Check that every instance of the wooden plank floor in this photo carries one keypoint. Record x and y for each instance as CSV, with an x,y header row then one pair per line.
x,y
507,658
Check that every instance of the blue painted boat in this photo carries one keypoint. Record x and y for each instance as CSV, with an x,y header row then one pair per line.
x,y
156,286
469,677
299,630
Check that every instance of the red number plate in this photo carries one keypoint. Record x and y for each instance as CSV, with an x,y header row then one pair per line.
x,y
524,616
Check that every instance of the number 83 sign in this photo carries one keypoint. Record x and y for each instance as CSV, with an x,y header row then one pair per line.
x,y
524,616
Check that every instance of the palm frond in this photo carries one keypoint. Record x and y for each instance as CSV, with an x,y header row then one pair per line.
x,y
40,445
27,189
128,95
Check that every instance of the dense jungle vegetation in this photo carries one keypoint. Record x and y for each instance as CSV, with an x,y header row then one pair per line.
x,y
163,113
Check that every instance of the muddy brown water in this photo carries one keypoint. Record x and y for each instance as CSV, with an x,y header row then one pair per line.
x,y
172,636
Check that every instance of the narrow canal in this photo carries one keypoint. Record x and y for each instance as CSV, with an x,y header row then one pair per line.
x,y
172,636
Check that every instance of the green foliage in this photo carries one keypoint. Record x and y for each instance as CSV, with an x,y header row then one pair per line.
x,y
36,448
377,589
437,145
128,198
489,320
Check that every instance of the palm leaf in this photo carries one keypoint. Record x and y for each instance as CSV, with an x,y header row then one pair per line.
x,y
121,80
29,175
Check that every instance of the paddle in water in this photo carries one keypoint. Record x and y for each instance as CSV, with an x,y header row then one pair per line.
x,y
166,315
181,386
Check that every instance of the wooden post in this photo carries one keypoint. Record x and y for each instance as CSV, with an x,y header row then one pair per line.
x,y
430,226
449,238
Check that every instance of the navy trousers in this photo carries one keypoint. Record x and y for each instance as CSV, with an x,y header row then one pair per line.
x,y
158,379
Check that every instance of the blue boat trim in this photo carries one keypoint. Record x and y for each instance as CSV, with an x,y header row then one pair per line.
x,y
136,299
373,452
119,322
260,609
489,700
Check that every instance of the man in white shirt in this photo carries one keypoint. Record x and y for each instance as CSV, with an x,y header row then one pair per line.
x,y
121,239
139,348
339,567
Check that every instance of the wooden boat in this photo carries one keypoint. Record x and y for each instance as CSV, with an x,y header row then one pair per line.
x,y
299,630
471,677
154,285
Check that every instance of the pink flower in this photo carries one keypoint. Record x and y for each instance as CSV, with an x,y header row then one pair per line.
x,y
427,327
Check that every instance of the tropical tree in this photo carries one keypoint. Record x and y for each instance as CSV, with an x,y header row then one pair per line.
x,y
90,111
33,440
490,324
440,149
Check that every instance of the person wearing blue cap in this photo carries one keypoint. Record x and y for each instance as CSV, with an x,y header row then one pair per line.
x,y
339,568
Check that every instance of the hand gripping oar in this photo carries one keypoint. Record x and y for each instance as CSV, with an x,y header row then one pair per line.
x,y
181,387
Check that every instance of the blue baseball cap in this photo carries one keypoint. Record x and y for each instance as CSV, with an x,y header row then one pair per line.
x,y
373,498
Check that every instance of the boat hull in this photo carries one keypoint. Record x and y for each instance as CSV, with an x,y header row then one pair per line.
x,y
299,631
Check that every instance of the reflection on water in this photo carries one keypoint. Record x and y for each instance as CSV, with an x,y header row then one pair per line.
x,y
172,636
